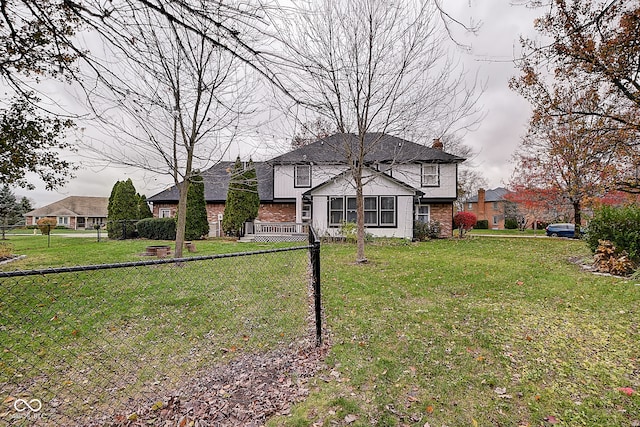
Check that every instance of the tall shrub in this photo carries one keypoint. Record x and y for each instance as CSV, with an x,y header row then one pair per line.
x,y
464,221
123,210
619,225
197,223
243,201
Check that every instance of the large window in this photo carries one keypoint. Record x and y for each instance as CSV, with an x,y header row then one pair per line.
x,y
423,214
302,176
430,175
63,220
379,211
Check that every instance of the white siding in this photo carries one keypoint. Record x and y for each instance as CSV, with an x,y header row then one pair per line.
x,y
379,186
411,174
283,184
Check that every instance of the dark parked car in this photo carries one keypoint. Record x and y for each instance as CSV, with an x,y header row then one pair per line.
x,y
562,230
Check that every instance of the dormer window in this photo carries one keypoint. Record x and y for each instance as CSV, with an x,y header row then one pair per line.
x,y
430,175
302,176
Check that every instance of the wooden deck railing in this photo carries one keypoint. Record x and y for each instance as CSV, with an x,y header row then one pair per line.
x,y
284,228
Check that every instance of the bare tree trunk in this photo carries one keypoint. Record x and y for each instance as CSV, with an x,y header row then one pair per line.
x,y
183,189
360,257
577,217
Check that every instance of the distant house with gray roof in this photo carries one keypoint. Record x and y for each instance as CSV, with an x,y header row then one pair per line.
x,y
490,205
404,182
75,212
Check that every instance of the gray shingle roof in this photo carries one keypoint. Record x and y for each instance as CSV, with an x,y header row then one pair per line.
x,y
216,184
74,206
495,195
380,148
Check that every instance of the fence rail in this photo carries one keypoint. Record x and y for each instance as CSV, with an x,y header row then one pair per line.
x,y
280,228
80,344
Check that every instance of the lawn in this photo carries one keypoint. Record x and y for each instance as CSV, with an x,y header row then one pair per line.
x,y
484,331
473,332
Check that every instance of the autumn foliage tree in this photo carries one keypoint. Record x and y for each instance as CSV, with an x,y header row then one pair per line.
x,y
594,51
464,221
572,155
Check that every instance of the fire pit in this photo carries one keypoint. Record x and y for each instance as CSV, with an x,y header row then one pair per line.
x,y
160,251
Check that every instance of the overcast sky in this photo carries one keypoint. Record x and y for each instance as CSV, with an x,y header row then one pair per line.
x,y
497,136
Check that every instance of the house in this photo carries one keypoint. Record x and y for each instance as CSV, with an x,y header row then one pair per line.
x,y
75,212
404,181
490,205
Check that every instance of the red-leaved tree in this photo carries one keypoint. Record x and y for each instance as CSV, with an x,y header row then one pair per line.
x,y
464,221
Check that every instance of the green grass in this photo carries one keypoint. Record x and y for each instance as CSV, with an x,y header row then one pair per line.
x,y
487,331
73,334
479,331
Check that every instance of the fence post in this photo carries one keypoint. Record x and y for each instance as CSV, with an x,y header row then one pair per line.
x,y
315,268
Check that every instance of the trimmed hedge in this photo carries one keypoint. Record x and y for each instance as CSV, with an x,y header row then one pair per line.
x,y
510,223
482,224
621,226
157,228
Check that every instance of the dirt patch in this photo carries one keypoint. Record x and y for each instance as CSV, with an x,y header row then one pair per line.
x,y
245,392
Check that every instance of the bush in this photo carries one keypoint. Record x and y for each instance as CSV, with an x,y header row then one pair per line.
x,y
464,221
46,225
510,223
157,228
621,226
482,224
426,230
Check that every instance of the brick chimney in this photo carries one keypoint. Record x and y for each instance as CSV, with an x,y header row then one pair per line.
x,y
481,194
437,144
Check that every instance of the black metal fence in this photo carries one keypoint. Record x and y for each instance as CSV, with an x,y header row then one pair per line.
x,y
82,345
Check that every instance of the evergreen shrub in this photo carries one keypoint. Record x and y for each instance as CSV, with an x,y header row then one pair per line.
x,y
482,224
157,228
619,225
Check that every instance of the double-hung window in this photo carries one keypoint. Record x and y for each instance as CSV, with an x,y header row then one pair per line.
x,y
387,211
302,175
430,175
423,214
371,211
336,210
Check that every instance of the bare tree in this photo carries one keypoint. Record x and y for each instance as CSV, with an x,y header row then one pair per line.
x,y
470,178
374,66
181,105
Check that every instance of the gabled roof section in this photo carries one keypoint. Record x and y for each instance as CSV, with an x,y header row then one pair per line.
x,y
82,206
495,195
380,148
345,175
216,184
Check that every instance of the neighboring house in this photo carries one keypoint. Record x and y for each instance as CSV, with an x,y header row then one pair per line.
x,y
490,205
405,181
75,212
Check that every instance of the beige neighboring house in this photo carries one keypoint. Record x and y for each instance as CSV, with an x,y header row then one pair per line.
x,y
74,212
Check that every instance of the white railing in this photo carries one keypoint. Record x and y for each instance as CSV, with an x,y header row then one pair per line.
x,y
279,228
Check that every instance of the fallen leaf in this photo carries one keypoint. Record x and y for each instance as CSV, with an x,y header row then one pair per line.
x,y
475,423
627,390
551,419
500,390
350,418
429,409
